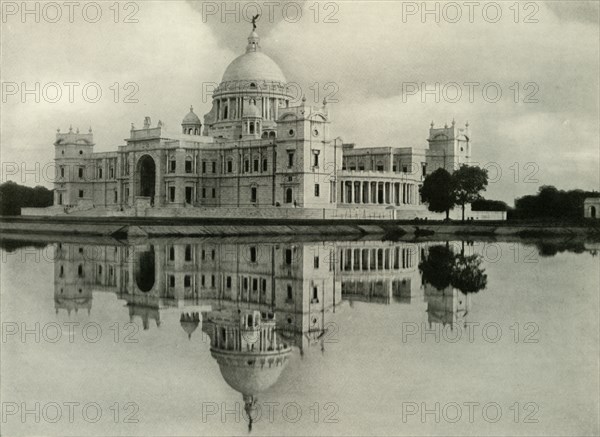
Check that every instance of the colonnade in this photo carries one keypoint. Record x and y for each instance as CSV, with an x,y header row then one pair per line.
x,y
395,258
379,193
232,108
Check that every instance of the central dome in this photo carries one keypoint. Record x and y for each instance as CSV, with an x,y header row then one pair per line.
x,y
253,65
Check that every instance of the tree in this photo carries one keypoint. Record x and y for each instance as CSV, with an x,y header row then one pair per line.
x,y
437,192
443,268
436,267
467,183
13,197
467,274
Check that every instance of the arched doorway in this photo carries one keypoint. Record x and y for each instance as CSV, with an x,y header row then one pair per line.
x,y
288,195
145,270
147,176
592,211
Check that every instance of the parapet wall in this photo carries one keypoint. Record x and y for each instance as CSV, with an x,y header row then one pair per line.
x,y
267,213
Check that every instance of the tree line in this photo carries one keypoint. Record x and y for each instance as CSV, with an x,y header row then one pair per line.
x,y
13,197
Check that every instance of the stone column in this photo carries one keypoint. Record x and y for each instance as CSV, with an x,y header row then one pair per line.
x,y
158,183
360,193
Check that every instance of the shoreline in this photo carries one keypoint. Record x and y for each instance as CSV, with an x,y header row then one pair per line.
x,y
123,228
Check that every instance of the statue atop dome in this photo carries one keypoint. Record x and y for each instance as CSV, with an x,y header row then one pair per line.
x,y
254,21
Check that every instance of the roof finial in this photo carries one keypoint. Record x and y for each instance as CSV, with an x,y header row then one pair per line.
x,y
431,124
71,129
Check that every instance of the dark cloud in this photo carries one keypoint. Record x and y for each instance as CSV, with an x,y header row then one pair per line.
x,y
581,11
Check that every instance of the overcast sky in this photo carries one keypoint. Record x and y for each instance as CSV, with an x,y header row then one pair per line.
x,y
376,57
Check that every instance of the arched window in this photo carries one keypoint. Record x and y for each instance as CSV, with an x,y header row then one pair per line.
x,y
592,211
225,112
251,130
288,195
272,134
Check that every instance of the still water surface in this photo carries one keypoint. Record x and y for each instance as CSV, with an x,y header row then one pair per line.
x,y
227,337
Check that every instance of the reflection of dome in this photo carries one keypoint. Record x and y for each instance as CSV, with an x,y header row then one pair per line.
x,y
189,322
253,65
250,379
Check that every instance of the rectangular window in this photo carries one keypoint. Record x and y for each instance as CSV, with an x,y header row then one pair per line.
x,y
203,167
204,193
246,166
265,164
316,262
172,194
380,168
62,172
361,167
394,167
214,193
116,196
290,159
172,166
228,282
424,170
253,254
254,284
288,256
99,173
404,169
188,252
315,158
111,173
214,166
229,166
352,168
80,193
253,194
80,172
317,190
256,165
171,281
171,253
187,281
202,280
290,294
212,281
203,256
188,166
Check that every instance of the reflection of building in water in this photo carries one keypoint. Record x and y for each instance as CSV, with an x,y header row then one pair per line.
x,y
376,271
302,284
447,307
250,355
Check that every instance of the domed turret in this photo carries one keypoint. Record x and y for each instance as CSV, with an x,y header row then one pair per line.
x,y
191,123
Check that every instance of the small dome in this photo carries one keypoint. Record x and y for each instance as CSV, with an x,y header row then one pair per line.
x,y
251,110
191,117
